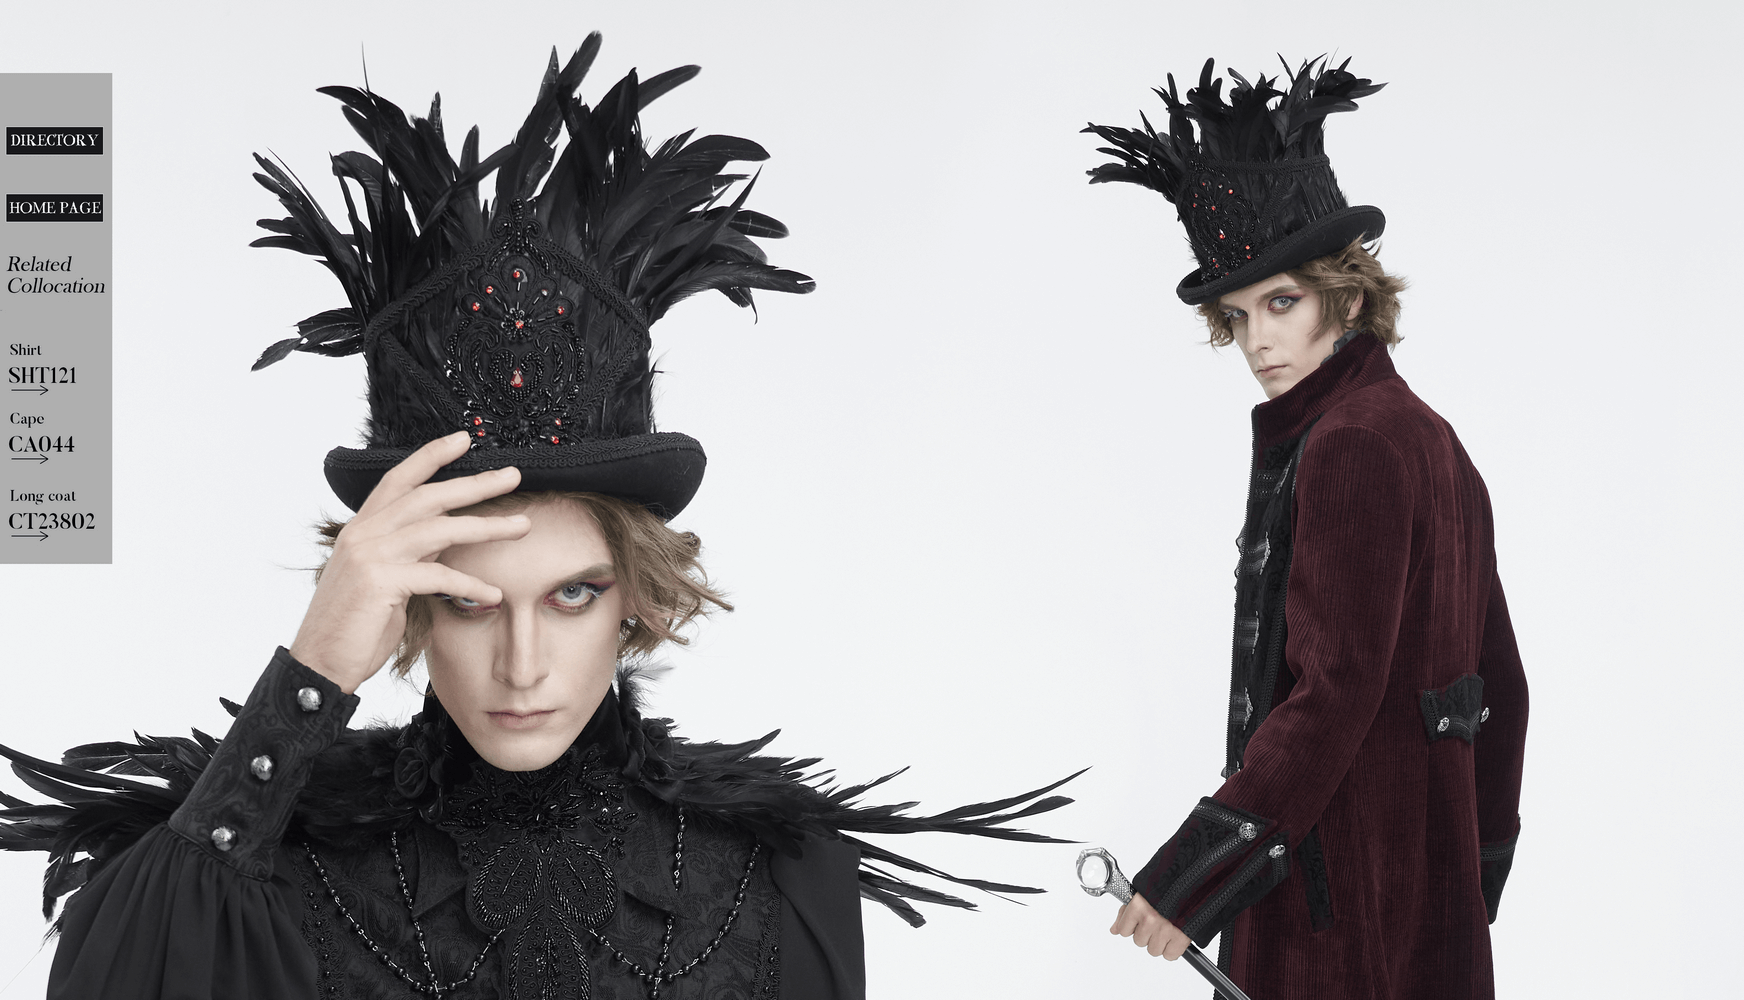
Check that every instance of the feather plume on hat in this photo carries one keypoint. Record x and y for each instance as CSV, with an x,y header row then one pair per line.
x,y
1262,166
524,318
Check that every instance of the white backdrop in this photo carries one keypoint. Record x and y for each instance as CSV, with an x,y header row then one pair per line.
x,y
976,496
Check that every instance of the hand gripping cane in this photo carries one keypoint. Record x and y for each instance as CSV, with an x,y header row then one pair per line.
x,y
1115,884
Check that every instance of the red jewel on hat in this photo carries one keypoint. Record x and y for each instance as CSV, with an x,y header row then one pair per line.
x,y
517,274
476,421
519,324
515,380
558,421
488,289
481,433
559,310
553,439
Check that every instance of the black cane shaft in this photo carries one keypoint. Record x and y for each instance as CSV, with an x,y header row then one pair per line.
x,y
1213,974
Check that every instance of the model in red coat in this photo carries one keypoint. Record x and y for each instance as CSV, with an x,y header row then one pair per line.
x,y
1377,715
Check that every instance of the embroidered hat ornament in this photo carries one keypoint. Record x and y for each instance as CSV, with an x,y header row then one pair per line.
x,y
524,320
1254,187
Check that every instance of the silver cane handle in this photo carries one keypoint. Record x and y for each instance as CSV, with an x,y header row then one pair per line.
x,y
1114,883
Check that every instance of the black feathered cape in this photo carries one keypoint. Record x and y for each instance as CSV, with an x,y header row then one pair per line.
x,y
363,786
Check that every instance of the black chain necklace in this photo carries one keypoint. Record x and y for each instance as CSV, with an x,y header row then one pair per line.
x,y
660,977
431,986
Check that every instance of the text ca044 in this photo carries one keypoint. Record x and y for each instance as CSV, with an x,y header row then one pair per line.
x,y
40,443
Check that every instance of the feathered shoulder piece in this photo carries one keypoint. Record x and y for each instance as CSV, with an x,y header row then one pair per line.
x,y
1249,179
377,780
778,800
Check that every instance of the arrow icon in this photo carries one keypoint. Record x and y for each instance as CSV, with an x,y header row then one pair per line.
x,y
39,536
35,388
39,459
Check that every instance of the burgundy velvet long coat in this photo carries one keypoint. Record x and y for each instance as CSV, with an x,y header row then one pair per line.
x,y
1358,845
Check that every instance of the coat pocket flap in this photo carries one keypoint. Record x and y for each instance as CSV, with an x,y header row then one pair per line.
x,y
1455,710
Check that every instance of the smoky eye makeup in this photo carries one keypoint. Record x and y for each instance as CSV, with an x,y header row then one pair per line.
x,y
576,596
462,606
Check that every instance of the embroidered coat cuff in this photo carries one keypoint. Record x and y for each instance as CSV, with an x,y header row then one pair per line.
x,y
1221,861
1494,862
238,810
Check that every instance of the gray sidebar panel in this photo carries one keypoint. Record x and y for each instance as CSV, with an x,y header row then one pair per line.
x,y
56,322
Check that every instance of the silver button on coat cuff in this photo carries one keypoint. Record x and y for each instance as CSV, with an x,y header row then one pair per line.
x,y
1219,862
239,808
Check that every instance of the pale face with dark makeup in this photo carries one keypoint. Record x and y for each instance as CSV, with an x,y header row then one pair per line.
x,y
1277,325
521,678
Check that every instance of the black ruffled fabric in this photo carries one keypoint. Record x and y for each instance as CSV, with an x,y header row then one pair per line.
x,y
173,923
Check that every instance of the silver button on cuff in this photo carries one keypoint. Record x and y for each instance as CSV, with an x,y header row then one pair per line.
x,y
1277,851
223,838
261,767
1248,831
1441,727
1486,716
309,699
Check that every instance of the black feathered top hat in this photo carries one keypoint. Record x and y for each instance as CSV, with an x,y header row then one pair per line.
x,y
1254,188
524,320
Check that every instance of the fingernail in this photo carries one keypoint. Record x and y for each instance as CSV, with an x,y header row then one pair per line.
x,y
519,518
457,434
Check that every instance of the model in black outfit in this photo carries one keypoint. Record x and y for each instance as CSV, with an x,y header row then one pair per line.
x,y
529,834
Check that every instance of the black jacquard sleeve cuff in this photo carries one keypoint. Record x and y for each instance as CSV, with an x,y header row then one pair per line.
x,y
1221,861
239,808
1494,862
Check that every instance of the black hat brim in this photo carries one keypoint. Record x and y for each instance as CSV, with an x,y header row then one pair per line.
x,y
1325,235
659,471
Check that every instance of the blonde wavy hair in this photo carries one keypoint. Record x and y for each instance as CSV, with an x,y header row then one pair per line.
x,y
1339,278
659,569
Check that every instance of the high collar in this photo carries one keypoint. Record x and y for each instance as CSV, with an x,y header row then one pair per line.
x,y
591,796
1362,362
606,728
